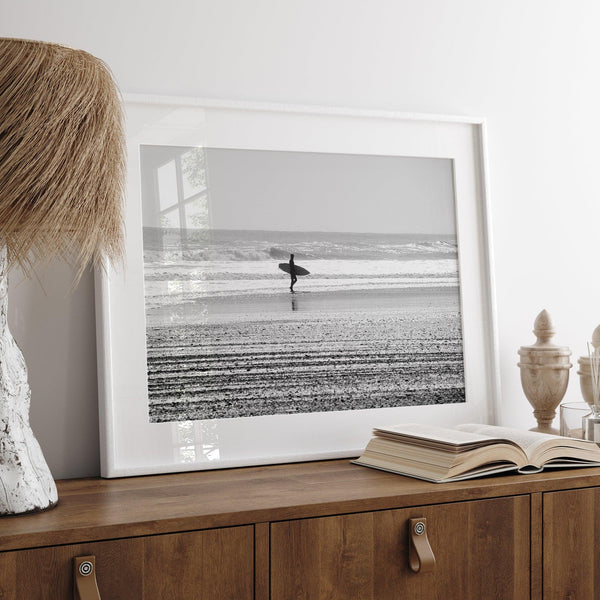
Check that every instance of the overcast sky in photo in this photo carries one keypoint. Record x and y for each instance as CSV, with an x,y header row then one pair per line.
x,y
305,191
309,191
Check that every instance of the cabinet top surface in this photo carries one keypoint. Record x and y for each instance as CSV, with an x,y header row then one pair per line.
x,y
95,509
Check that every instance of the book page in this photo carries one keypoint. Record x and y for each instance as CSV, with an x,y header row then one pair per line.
x,y
443,435
529,441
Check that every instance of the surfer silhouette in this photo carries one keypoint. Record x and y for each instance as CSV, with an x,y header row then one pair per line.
x,y
293,270
292,273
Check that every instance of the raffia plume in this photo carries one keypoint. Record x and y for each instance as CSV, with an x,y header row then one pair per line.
x,y
62,159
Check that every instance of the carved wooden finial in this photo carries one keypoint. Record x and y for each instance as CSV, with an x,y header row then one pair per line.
x,y
544,373
543,328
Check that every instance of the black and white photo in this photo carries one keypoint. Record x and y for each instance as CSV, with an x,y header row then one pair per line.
x,y
294,277
282,282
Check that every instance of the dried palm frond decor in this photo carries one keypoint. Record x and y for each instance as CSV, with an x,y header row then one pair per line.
x,y
61,187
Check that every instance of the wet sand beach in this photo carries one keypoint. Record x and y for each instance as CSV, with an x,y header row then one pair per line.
x,y
287,353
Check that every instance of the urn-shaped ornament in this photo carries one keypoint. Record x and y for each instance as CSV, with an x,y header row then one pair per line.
x,y
585,368
544,373
589,380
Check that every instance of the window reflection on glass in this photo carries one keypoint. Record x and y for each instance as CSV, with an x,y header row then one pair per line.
x,y
176,219
170,220
175,287
166,177
174,189
195,442
194,172
196,213
175,200
185,432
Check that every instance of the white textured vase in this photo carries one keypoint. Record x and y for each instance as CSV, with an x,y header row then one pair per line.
x,y
26,484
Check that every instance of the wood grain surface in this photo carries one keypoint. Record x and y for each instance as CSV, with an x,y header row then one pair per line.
x,y
537,545
212,565
571,561
310,530
481,548
98,509
262,561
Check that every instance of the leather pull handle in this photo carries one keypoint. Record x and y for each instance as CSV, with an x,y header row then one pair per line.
x,y
420,554
84,575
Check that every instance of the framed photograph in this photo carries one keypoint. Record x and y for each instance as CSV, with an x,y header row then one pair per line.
x,y
294,276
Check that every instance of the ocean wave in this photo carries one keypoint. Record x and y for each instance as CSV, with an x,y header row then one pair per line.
x,y
169,245
319,269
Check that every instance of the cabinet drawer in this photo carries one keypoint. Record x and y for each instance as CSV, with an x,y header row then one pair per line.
x,y
216,564
482,551
571,533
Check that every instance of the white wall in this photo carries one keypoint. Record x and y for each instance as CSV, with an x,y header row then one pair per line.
x,y
529,66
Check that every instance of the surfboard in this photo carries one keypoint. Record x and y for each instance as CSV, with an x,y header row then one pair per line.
x,y
300,271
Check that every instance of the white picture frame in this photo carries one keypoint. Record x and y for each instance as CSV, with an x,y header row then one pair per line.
x,y
130,443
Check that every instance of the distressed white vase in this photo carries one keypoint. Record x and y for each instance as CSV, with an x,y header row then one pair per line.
x,y
26,484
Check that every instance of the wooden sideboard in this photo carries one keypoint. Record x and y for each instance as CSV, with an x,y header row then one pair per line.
x,y
322,530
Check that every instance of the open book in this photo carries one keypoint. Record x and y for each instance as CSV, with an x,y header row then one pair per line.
x,y
441,454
